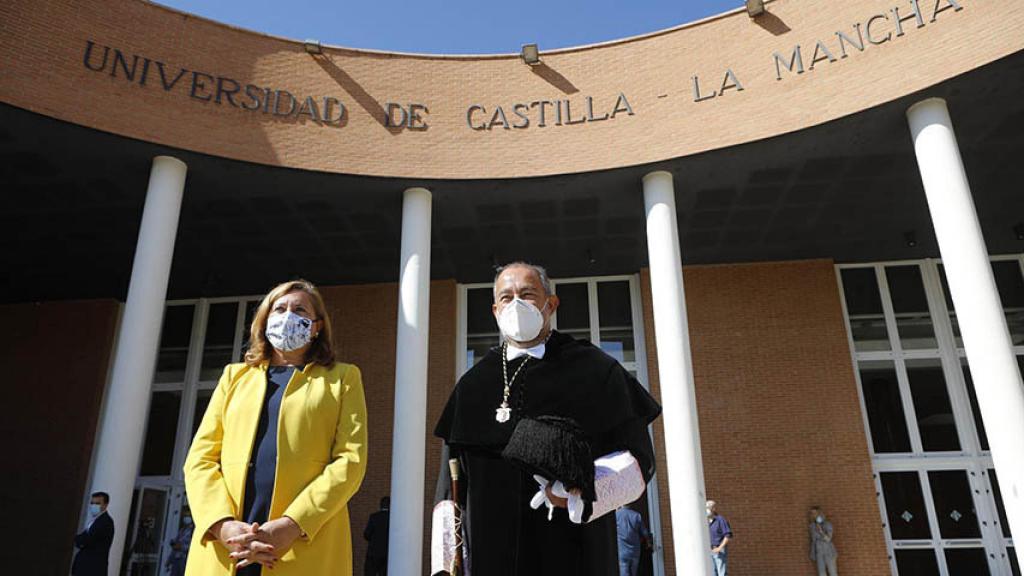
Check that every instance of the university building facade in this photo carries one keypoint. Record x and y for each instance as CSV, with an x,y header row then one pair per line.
x,y
802,231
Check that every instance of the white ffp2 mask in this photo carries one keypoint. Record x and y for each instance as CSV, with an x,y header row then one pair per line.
x,y
520,321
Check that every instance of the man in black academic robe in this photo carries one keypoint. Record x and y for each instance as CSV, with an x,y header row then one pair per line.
x,y
562,377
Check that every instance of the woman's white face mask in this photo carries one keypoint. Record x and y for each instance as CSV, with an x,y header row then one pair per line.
x,y
289,331
520,320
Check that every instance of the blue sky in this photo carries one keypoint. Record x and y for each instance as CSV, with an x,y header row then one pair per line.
x,y
455,26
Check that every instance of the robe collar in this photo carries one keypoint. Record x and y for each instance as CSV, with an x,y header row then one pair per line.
x,y
514,351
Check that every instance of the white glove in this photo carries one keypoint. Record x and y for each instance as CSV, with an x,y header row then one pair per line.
x,y
618,481
575,504
541,497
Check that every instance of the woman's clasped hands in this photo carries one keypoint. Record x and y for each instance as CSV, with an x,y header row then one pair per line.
x,y
258,544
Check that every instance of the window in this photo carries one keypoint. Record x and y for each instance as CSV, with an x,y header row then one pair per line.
x,y
161,428
198,338
908,519
884,407
936,486
174,342
864,309
910,307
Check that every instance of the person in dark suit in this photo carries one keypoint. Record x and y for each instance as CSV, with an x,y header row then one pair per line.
x,y
94,542
376,533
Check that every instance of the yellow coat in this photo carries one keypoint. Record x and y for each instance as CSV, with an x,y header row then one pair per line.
x,y
321,460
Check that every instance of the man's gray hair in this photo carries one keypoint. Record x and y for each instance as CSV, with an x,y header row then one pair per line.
x,y
541,273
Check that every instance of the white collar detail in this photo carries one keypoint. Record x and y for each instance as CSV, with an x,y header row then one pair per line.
x,y
512,351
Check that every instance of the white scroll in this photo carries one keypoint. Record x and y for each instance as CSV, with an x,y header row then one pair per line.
x,y
443,537
617,482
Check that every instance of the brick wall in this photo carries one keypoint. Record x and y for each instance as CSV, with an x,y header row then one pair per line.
x,y
56,356
42,48
780,419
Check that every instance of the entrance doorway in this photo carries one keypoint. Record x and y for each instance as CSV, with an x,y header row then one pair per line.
x,y
937,490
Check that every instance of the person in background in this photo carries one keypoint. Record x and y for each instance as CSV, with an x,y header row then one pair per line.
x,y
280,451
721,534
634,538
823,551
93,543
376,534
180,545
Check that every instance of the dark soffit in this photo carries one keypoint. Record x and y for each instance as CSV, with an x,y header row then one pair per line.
x,y
848,190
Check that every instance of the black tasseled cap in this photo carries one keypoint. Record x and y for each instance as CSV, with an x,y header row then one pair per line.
x,y
556,448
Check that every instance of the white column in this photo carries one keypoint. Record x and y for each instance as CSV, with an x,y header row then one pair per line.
x,y
126,404
979,312
410,429
691,543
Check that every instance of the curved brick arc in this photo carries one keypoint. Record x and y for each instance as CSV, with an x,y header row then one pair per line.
x,y
164,71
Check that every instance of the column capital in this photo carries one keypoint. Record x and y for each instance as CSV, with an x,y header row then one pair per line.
x,y
933,101
165,159
657,174
928,112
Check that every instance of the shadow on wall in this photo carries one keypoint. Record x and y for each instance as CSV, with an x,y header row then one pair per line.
x,y
771,23
553,77
360,95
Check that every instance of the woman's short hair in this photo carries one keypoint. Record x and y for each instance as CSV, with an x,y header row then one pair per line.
x,y
322,349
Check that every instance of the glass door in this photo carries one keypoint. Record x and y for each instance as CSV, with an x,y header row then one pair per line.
x,y
937,491
145,535
177,535
956,513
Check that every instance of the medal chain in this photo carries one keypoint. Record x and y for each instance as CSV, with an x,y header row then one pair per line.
x,y
504,373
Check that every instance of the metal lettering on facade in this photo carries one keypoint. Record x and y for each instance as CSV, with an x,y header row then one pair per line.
x,y
876,30
542,113
220,90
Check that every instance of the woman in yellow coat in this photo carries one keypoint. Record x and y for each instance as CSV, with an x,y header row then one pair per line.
x,y
280,450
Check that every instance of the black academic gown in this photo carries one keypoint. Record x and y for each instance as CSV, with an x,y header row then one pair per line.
x,y
504,536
